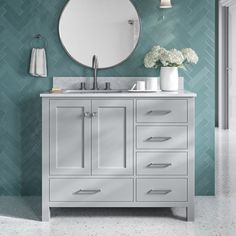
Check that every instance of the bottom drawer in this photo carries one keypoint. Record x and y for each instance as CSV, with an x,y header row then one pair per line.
x,y
91,190
162,190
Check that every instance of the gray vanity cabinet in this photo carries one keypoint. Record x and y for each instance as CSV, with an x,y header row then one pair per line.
x,y
118,150
112,137
70,137
91,137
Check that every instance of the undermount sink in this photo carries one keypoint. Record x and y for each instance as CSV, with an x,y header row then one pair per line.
x,y
94,91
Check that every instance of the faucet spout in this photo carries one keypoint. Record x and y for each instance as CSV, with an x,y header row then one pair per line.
x,y
95,70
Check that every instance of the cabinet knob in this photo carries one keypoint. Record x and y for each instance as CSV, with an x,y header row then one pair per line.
x,y
94,114
87,114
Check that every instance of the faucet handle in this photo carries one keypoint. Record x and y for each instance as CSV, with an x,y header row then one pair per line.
x,y
108,86
82,86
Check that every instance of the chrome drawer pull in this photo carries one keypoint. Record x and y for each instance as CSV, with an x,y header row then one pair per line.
x,y
159,165
88,191
159,192
158,139
159,112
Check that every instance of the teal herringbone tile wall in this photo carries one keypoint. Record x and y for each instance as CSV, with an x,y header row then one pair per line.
x,y
189,23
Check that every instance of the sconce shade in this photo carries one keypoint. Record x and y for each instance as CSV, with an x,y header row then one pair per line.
x,y
165,4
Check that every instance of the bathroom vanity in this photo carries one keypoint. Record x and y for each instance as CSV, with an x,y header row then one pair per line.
x,y
118,150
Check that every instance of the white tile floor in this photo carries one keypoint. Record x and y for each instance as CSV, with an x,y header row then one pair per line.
x,y
215,216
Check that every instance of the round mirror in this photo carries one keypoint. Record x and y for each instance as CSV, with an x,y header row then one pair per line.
x,y
108,29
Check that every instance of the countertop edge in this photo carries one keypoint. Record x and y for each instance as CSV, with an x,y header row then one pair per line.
x,y
182,94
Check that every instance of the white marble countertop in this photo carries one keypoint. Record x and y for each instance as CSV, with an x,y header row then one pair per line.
x,y
181,93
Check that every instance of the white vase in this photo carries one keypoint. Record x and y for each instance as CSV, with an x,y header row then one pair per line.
x,y
169,78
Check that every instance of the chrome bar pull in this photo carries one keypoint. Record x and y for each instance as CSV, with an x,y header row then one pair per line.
x,y
158,165
87,191
159,112
158,139
159,191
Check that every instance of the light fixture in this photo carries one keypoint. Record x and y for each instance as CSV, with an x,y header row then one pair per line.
x,y
165,4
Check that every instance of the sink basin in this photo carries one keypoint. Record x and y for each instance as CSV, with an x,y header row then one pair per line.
x,y
94,91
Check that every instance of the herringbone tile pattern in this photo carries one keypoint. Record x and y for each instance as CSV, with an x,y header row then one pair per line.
x,y
189,23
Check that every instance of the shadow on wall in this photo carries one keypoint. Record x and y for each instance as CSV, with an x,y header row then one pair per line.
x,y
21,208
31,131
30,108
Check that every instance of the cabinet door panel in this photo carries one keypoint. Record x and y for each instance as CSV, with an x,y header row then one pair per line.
x,y
70,137
112,137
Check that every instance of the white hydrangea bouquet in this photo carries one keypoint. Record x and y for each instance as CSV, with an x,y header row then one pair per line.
x,y
160,57
169,61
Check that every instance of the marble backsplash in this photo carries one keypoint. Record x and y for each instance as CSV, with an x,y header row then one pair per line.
x,y
116,82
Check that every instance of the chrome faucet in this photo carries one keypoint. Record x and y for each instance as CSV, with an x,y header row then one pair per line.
x,y
95,69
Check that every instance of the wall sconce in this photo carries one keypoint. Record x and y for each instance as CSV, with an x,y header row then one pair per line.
x,y
165,4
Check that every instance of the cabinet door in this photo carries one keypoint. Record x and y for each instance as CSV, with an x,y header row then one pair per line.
x,y
112,137
70,137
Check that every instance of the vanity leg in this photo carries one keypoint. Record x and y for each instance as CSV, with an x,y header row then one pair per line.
x,y
190,213
45,213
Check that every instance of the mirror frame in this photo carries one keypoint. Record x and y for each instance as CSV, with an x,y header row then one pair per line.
x,y
90,67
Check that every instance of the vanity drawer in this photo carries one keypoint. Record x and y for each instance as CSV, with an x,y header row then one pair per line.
x,y
162,137
162,111
91,190
162,190
162,163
